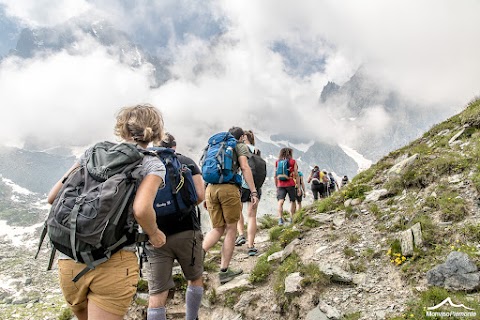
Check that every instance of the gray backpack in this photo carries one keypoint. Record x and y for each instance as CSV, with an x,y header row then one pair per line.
x,y
92,217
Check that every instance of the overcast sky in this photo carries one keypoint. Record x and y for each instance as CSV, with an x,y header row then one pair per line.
x,y
427,50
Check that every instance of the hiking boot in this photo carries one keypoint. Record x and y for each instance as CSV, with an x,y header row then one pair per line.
x,y
252,251
228,275
240,240
280,222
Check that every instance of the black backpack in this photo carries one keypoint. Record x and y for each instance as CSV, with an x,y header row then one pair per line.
x,y
92,216
258,167
178,196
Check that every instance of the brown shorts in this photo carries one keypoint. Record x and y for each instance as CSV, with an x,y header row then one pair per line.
x,y
111,285
223,204
181,246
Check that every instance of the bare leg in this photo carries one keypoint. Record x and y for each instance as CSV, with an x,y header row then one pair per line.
x,y
241,222
94,312
228,244
280,207
212,238
293,208
158,300
252,224
81,314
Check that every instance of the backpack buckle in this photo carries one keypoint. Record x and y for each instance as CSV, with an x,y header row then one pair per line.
x,y
79,199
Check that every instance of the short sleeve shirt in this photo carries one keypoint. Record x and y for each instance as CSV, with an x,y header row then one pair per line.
x,y
241,149
290,182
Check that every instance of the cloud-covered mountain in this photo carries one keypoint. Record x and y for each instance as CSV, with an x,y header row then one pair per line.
x,y
36,171
381,118
69,35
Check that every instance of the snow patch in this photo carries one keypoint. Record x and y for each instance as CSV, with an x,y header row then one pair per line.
x,y
20,236
361,161
16,188
284,143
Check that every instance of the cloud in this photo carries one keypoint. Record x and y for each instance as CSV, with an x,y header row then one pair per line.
x,y
243,63
62,98
41,13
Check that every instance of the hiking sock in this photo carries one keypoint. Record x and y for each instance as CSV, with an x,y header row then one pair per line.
x,y
193,300
223,269
159,313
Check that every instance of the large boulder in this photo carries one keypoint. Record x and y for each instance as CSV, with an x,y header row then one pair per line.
x,y
457,273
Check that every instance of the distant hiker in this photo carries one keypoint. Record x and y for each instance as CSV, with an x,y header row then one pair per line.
x,y
302,194
184,244
222,196
259,171
332,184
344,181
316,178
286,179
106,291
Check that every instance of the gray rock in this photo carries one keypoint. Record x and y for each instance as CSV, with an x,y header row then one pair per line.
x,y
398,168
406,241
329,311
275,256
288,250
293,283
455,137
245,299
375,195
335,273
323,218
457,273
356,202
417,235
316,314
237,283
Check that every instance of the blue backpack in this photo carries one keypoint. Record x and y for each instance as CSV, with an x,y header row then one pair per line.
x,y
178,196
283,174
217,159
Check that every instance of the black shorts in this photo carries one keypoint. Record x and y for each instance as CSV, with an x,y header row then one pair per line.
x,y
283,191
298,197
246,194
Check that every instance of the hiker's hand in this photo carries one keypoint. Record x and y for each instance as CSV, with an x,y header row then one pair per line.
x,y
254,198
157,239
299,192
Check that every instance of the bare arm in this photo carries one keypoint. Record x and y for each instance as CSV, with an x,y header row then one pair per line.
x,y
297,178
199,187
58,185
144,212
248,176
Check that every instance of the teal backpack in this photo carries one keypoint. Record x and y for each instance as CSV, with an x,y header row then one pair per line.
x,y
283,172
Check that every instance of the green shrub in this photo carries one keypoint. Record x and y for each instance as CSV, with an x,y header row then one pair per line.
x,y
349,252
353,191
311,223
326,204
66,314
275,232
290,265
313,276
452,207
263,268
142,285
267,221
287,236
354,238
